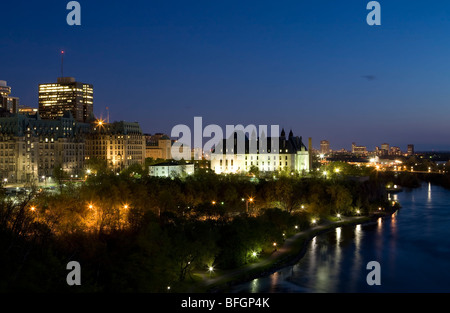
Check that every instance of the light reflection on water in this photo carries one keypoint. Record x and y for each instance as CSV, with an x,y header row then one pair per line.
x,y
412,247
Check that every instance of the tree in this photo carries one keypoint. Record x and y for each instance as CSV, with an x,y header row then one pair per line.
x,y
254,170
59,175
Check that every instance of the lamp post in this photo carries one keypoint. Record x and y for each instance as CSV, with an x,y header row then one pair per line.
x,y
246,203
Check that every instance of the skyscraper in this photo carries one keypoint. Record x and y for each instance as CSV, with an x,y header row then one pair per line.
x,y
385,148
66,95
410,149
8,103
324,146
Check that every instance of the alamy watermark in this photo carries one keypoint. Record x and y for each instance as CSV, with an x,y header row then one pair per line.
x,y
237,140
74,16
374,276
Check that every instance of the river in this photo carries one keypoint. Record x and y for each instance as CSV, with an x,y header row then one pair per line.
x,y
412,248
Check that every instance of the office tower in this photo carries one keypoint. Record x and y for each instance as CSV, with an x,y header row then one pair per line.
x,y
324,146
66,95
8,103
410,149
385,148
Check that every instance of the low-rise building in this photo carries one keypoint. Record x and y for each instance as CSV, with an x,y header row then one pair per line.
x,y
158,146
171,169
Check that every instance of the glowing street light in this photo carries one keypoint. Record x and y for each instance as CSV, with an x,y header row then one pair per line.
x,y
213,202
358,211
33,208
125,206
338,215
313,221
337,170
254,254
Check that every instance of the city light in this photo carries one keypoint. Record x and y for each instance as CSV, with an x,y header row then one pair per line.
x,y
338,215
33,208
210,269
254,254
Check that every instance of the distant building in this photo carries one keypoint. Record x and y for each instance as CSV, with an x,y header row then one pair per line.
x,y
324,147
171,169
158,146
359,150
66,95
395,151
410,149
120,144
8,103
291,155
27,110
385,149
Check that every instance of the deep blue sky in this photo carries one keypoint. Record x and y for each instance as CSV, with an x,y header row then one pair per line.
x,y
299,64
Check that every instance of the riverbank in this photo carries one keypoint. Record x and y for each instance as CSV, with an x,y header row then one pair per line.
x,y
293,249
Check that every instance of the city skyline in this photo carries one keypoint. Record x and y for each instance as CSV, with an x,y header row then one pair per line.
x,y
324,74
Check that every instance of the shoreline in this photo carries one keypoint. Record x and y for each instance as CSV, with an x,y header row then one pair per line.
x,y
296,248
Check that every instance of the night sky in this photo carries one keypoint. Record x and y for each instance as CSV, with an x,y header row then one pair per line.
x,y
313,66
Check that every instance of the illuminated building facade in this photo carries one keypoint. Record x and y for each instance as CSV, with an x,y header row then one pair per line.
x,y
171,169
66,95
7,103
324,147
291,155
158,146
27,110
120,144
410,149
359,150
31,148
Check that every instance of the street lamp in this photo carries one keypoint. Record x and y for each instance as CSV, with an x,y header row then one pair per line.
x,y
246,203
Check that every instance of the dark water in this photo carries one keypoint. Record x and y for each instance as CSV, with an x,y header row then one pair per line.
x,y
412,247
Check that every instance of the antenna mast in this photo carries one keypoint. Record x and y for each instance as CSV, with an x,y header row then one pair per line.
x,y
62,63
